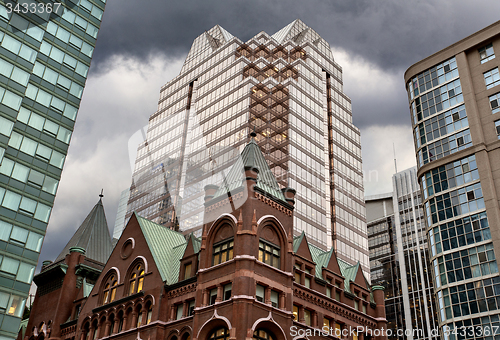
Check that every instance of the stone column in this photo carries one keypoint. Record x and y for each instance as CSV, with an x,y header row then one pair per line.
x,y
134,320
219,293
267,296
282,301
107,326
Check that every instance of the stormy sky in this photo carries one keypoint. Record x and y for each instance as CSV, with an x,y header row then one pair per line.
x,y
142,44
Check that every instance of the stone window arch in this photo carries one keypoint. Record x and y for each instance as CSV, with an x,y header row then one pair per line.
x,y
271,243
223,243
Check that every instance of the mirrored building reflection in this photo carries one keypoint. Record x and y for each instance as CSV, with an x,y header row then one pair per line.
x,y
288,89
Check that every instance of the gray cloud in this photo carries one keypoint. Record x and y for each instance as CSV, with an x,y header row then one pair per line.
x,y
142,44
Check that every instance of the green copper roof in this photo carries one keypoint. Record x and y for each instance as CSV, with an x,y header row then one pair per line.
x,y
166,246
93,236
251,156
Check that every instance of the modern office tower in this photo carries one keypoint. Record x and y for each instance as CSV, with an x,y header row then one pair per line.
x,y
288,89
44,61
399,256
384,263
120,220
453,98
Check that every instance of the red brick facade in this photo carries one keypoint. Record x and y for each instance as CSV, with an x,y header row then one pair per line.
x,y
247,278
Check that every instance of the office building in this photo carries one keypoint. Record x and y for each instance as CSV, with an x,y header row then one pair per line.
x,y
453,99
44,61
288,89
246,277
399,257
120,220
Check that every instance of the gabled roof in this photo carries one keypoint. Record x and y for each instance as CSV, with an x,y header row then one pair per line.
x,y
93,236
166,246
251,156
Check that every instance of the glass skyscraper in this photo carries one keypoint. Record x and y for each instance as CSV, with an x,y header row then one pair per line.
x,y
45,54
288,89
399,257
453,99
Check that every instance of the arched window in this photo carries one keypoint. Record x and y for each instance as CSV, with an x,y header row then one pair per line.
x,y
139,316
94,330
261,334
85,331
109,292
136,281
219,334
186,336
112,324
149,313
120,321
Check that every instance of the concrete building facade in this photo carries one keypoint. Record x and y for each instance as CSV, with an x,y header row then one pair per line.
x,y
453,99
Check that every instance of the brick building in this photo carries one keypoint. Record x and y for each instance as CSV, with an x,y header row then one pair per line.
x,y
247,277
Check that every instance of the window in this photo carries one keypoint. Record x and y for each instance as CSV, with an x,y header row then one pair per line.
x,y
220,334
295,313
356,304
191,307
213,296
223,251
136,281
492,78
363,308
260,293
275,298
109,293
269,253
261,334
497,128
494,103
326,323
179,311
187,271
329,292
486,53
139,317
297,273
307,317
307,280
227,292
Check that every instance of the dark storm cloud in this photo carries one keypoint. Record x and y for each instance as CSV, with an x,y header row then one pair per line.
x,y
392,34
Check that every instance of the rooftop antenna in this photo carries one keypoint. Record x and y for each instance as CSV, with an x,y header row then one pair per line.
x,y
101,195
395,164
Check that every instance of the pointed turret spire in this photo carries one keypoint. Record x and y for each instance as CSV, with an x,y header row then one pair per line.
x,y
92,235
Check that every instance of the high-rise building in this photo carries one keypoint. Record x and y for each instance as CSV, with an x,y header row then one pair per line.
x,y
288,89
45,54
453,98
399,257
120,220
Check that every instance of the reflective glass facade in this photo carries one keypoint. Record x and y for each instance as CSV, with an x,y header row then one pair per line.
x,y
399,257
44,61
453,102
288,89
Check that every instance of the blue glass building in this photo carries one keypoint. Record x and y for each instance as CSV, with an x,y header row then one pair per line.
x,y
44,62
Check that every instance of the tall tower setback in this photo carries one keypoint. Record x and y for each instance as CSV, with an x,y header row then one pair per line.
x,y
45,54
453,98
286,88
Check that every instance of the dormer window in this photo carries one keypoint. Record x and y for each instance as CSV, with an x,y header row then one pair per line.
x,y
269,253
136,281
223,251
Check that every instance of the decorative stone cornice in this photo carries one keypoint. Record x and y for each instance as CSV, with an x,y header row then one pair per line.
x,y
273,204
182,290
